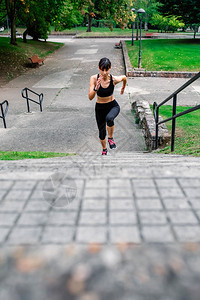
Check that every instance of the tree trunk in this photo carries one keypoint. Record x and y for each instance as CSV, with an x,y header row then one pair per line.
x,y
24,35
146,22
11,11
13,40
89,29
195,31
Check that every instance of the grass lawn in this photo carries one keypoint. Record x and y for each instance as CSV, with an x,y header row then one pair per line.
x,y
14,155
81,31
14,59
96,31
167,55
104,31
187,140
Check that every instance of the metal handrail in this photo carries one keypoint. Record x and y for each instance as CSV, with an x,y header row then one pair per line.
x,y
4,112
26,96
174,114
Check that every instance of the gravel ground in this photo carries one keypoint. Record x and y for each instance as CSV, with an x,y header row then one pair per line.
x,y
119,272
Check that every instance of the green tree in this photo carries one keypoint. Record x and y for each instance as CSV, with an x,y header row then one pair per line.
x,y
165,23
69,16
150,6
174,23
11,7
189,10
3,12
118,12
88,8
38,15
114,11
158,21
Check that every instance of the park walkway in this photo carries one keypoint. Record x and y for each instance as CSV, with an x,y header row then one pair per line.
x,y
67,123
129,196
68,115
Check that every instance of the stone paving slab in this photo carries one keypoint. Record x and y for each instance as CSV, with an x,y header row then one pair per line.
x,y
136,203
154,89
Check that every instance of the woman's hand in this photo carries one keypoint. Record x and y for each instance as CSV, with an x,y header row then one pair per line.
x,y
122,90
98,82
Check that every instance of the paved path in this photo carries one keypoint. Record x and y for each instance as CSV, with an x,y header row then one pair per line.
x,y
158,89
67,123
68,115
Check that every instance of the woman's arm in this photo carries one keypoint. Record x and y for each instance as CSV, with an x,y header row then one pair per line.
x,y
118,79
92,93
94,83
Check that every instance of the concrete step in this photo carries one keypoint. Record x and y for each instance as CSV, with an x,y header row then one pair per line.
x,y
114,158
117,159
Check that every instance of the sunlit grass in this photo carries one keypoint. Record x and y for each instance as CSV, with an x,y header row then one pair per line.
x,y
104,31
15,155
167,54
187,139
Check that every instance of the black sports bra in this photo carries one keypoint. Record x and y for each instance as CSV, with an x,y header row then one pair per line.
x,y
106,92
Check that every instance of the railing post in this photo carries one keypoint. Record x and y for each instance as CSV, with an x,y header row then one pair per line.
x,y
41,99
3,117
157,119
173,123
27,101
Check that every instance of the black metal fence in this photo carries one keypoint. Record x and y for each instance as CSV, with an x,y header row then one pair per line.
x,y
174,114
4,112
25,94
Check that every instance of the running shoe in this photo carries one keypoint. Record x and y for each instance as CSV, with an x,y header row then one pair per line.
x,y
111,143
104,152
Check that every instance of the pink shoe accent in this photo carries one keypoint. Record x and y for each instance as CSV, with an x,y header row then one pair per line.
x,y
111,142
104,152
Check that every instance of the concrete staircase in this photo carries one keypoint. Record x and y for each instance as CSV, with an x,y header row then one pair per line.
x,y
123,197
112,164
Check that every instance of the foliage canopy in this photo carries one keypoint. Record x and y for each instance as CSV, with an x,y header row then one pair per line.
x,y
39,15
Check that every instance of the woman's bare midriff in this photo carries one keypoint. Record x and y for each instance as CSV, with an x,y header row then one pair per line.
x,y
105,99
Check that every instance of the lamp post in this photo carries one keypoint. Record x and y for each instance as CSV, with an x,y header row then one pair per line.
x,y
133,10
140,12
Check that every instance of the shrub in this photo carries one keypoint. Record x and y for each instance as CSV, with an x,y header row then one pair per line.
x,y
166,23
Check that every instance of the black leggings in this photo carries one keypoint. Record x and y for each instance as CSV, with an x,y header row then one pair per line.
x,y
106,113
